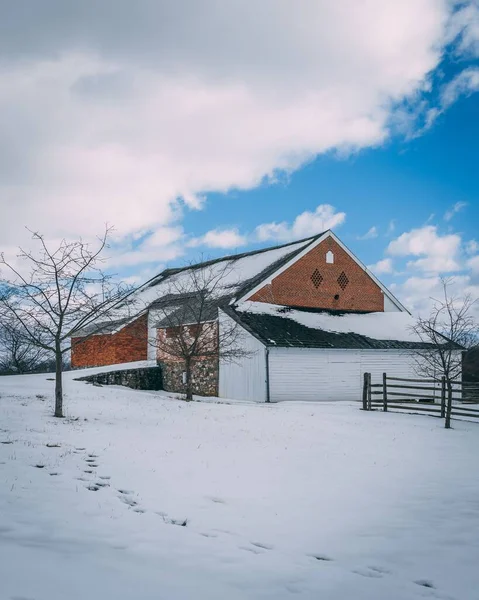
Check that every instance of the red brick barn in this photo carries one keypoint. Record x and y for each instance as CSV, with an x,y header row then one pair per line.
x,y
312,319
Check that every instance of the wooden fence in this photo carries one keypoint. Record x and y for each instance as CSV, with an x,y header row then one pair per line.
x,y
423,396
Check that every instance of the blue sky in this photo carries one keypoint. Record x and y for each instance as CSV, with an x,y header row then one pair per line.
x,y
406,181
225,128
409,183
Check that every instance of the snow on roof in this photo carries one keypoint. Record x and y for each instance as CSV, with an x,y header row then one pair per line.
x,y
378,325
234,272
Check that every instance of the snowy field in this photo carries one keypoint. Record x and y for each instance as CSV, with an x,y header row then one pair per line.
x,y
136,496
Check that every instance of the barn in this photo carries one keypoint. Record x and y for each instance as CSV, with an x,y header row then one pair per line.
x,y
311,320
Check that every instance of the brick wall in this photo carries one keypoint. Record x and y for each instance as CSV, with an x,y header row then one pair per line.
x,y
127,345
312,282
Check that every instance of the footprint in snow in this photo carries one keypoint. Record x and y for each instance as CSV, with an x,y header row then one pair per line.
x,y
262,545
249,549
127,500
425,583
381,570
104,477
54,473
93,488
125,491
7,442
179,522
102,484
217,500
368,573
321,557
88,471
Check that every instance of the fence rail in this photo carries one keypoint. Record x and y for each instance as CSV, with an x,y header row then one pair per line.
x,y
437,402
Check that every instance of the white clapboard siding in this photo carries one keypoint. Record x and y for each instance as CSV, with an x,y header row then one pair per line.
x,y
328,375
245,378
312,374
396,363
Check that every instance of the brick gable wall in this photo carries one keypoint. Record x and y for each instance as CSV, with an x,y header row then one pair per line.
x,y
295,287
128,345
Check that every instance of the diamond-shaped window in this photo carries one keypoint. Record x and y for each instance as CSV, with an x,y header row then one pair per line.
x,y
343,280
316,278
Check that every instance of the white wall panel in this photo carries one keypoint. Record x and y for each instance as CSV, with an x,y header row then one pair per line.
x,y
314,374
328,375
244,379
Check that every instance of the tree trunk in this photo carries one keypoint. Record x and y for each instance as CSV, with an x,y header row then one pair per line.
x,y
449,405
189,382
58,381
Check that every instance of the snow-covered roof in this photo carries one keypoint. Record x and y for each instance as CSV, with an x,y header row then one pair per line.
x,y
283,326
377,325
233,276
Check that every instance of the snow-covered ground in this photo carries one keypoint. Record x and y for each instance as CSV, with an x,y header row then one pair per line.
x,y
139,496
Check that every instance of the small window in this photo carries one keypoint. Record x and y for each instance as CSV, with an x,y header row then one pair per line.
x,y
329,257
343,281
316,278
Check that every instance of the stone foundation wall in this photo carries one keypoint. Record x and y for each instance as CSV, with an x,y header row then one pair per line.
x,y
205,376
148,378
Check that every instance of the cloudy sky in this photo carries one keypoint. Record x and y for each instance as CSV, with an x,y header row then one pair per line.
x,y
204,127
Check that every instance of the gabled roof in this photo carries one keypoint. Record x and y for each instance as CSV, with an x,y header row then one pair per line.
x,y
277,326
246,272
243,272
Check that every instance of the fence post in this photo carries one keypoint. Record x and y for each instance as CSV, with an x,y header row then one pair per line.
x,y
443,397
385,393
369,391
365,391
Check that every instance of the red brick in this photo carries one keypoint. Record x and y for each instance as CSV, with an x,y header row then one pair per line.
x,y
294,286
128,345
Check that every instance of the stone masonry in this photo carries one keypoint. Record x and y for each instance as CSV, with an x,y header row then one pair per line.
x,y
204,375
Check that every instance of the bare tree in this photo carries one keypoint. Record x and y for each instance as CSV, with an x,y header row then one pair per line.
x,y
18,354
189,329
59,292
449,329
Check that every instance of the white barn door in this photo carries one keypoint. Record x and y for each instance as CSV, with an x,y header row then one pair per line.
x,y
314,374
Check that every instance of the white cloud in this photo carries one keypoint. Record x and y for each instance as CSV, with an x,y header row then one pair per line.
x,y
472,247
219,238
383,266
439,252
162,245
473,264
112,115
391,227
463,84
449,214
306,224
370,234
464,24
418,293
